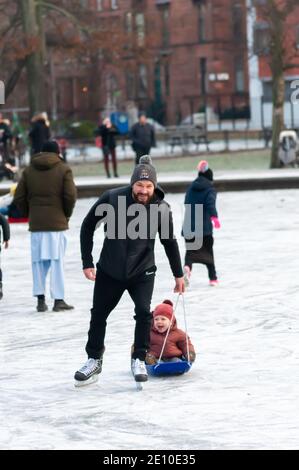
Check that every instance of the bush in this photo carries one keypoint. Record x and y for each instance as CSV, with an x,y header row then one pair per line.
x,y
82,130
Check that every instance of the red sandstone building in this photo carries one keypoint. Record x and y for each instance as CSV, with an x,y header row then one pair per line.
x,y
196,58
178,57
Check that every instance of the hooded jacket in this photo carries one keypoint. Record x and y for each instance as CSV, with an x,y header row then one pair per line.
x,y
175,346
122,258
46,193
202,191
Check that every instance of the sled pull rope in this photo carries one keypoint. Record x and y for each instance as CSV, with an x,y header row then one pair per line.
x,y
170,324
185,320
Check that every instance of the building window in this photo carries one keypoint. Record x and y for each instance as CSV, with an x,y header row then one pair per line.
x,y
129,22
261,38
202,33
203,75
167,79
114,4
142,81
99,4
140,29
237,21
239,75
130,85
165,27
268,94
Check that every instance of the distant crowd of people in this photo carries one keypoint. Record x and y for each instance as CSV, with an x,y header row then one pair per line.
x,y
142,136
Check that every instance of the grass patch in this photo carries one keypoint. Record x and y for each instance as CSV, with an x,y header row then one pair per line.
x,y
248,160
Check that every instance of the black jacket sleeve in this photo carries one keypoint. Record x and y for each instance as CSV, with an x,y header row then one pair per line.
x,y
5,227
211,203
169,241
88,228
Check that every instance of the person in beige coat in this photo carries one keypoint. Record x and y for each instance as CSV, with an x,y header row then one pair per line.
x,y
47,194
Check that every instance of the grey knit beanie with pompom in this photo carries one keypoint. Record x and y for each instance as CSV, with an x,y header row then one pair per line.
x,y
144,171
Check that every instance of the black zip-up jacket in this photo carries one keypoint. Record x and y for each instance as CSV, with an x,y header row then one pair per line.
x,y
143,136
5,227
108,136
123,258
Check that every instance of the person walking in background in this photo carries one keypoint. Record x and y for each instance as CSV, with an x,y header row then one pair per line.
x,y
202,191
39,132
47,194
126,264
143,137
107,131
4,226
5,138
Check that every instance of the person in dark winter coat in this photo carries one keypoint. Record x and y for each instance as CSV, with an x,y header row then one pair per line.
x,y
143,137
39,132
178,345
6,236
127,262
5,138
202,192
47,194
108,131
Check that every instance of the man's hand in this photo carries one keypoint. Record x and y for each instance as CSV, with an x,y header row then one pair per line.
x,y
6,244
90,274
179,285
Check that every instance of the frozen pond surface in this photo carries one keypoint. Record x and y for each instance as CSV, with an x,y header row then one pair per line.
x,y
242,392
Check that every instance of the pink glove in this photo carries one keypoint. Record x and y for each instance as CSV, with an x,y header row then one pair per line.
x,y
215,222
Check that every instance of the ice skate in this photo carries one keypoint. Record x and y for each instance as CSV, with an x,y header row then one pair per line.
x,y
139,370
89,373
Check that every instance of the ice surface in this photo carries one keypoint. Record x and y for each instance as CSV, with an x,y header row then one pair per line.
x,y
242,392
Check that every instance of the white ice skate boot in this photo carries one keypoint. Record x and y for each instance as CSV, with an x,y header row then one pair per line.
x,y
139,370
89,373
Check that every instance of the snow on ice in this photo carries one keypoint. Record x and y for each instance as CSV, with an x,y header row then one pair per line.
x,y
242,391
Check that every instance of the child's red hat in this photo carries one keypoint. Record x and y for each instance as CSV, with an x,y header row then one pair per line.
x,y
164,310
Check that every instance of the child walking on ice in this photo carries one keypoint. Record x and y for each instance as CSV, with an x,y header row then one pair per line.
x,y
202,192
175,348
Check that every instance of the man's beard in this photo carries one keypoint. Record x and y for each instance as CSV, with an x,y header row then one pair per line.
x,y
142,198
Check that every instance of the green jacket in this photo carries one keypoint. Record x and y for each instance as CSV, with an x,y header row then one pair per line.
x,y
46,193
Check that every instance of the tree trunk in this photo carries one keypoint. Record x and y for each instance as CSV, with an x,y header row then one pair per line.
x,y
277,117
277,21
34,63
14,78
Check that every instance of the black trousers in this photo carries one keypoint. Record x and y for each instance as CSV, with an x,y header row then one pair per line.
x,y
107,294
140,151
0,275
204,255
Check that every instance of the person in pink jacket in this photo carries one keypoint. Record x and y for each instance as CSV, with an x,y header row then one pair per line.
x,y
175,348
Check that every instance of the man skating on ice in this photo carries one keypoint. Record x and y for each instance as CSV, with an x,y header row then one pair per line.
x,y
126,263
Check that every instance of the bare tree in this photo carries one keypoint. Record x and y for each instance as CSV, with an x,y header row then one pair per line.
x,y
95,43
279,47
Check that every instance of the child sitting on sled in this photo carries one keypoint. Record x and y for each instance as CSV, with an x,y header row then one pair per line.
x,y
175,348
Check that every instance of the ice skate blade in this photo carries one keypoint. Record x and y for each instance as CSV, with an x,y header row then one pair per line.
x,y
140,378
139,386
83,383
